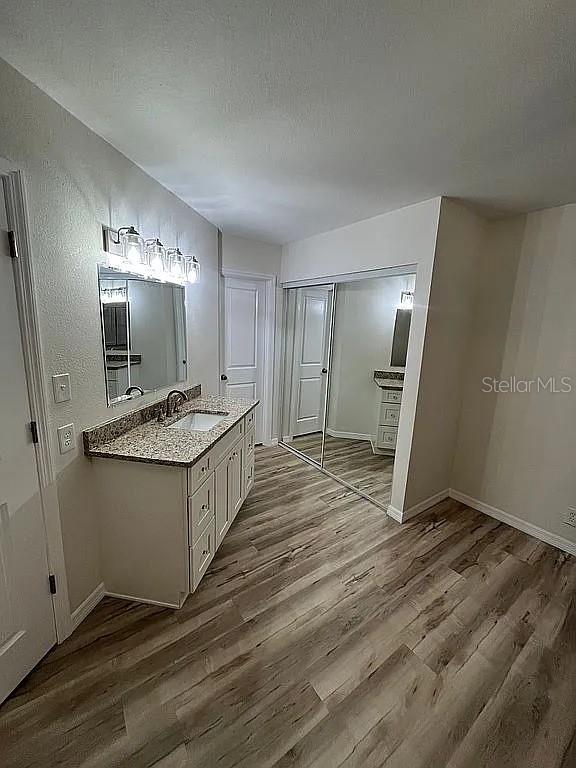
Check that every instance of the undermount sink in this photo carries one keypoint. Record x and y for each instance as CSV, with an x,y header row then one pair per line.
x,y
199,422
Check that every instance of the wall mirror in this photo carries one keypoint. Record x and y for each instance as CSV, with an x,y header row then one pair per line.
x,y
143,334
345,348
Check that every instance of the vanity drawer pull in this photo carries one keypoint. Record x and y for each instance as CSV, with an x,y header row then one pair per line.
x,y
201,553
391,396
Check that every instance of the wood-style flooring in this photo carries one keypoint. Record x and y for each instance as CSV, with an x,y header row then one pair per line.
x,y
353,461
324,634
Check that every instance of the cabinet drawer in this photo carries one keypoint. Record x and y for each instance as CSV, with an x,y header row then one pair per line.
x,y
389,414
249,420
199,472
391,395
200,508
249,442
386,437
223,446
201,554
248,476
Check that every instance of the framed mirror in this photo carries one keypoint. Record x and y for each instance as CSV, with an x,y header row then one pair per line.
x,y
143,334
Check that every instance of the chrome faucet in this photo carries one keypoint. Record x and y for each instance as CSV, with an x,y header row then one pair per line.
x,y
171,408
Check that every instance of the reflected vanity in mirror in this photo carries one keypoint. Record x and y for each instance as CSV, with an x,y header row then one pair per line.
x,y
143,334
345,350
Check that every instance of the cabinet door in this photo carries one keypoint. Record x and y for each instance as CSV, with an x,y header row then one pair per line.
x,y
222,512
236,479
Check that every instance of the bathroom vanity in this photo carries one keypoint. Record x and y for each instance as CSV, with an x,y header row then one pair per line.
x,y
390,384
169,492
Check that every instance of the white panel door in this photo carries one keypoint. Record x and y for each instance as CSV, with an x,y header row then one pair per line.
x,y
244,318
311,337
27,628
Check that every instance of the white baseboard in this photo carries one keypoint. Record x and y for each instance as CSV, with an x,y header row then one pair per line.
x,y
87,605
394,513
133,599
270,443
348,435
402,517
516,522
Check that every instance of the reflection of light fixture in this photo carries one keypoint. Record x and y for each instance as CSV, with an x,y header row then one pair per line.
x,y
156,256
177,263
406,300
192,269
113,295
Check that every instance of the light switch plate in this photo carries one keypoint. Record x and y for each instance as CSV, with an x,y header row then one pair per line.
x,y
66,438
61,387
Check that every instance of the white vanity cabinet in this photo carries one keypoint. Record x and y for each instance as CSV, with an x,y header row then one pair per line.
x,y
388,419
161,525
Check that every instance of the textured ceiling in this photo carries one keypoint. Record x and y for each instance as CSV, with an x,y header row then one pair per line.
x,y
277,119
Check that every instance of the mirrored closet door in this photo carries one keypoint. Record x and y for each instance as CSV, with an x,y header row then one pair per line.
x,y
345,347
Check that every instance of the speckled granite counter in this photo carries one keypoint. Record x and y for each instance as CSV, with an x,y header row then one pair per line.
x,y
389,379
153,443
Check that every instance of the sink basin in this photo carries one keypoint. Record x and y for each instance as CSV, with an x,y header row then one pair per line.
x,y
198,422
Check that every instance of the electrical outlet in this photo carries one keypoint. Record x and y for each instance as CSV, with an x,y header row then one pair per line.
x,y
570,518
66,438
61,387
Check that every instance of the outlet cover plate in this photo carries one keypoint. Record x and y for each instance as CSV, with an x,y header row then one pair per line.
x,y
61,387
66,438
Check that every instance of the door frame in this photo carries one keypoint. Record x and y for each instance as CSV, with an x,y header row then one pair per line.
x,y
13,182
270,282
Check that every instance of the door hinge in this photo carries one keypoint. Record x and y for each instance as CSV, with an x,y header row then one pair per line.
x,y
12,244
52,582
34,431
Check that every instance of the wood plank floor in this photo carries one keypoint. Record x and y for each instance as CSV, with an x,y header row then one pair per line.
x,y
324,634
352,461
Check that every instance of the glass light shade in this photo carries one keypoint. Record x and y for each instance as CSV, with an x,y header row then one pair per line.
x,y
156,255
177,264
133,247
406,300
192,269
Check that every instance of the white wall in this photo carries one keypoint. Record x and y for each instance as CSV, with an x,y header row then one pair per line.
x,y
452,300
400,238
516,452
362,343
76,182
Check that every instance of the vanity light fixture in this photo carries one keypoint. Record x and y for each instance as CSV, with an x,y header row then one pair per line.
x,y
157,258
192,269
406,300
128,252
132,243
177,264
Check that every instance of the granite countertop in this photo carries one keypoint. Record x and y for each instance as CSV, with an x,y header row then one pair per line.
x,y
153,443
389,379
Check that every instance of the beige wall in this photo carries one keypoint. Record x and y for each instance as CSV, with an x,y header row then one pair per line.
x,y
362,343
450,311
76,182
245,255
516,452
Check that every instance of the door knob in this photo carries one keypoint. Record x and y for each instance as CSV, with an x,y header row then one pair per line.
x,y
223,377
324,370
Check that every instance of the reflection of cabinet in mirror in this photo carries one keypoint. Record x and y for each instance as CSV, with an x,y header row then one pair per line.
x,y
161,525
